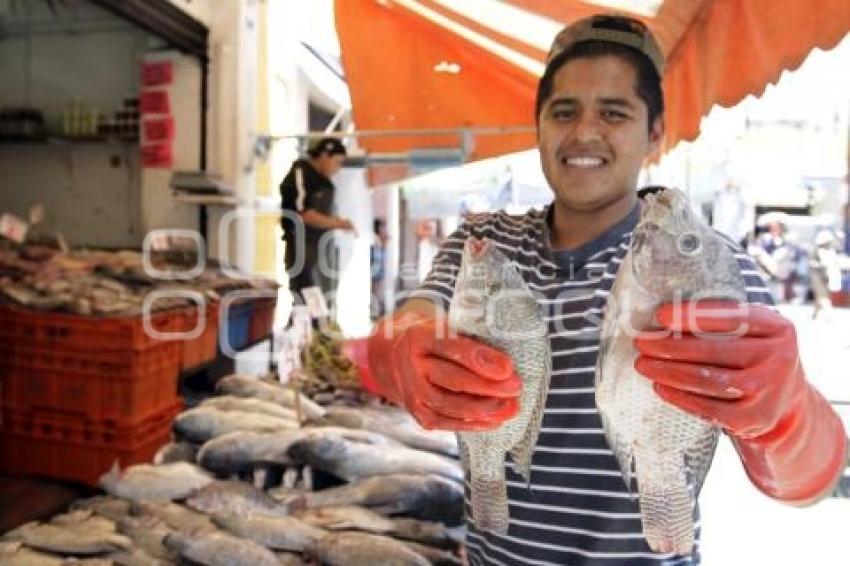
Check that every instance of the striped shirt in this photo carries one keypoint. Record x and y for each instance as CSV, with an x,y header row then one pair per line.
x,y
578,510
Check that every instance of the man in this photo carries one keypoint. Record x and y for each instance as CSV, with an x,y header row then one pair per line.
x,y
307,194
599,114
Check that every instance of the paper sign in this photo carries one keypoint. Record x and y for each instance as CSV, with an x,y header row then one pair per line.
x,y
13,228
157,73
154,102
315,302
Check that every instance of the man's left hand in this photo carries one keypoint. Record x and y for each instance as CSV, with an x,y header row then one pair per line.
x,y
737,366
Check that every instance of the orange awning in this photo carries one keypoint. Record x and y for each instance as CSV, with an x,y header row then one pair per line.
x,y
423,64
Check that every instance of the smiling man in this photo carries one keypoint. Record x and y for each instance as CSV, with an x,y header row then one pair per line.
x,y
599,115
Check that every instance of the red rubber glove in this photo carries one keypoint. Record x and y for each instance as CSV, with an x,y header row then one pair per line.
x,y
451,383
792,444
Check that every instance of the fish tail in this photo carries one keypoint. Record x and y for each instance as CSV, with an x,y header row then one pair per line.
x,y
666,503
489,500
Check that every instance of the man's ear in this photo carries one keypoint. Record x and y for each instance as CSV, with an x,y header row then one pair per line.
x,y
656,134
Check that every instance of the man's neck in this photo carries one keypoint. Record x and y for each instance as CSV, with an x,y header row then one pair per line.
x,y
573,228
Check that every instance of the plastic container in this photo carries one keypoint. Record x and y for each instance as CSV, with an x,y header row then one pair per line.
x,y
75,332
109,387
239,324
71,449
262,319
202,349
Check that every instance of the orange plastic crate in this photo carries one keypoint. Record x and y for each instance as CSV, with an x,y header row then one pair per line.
x,y
262,318
203,348
71,449
75,332
111,387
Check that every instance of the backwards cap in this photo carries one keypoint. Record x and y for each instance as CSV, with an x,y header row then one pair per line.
x,y
612,28
329,145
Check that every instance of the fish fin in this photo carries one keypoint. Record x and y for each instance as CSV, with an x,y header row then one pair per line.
x,y
698,459
110,479
489,501
522,453
666,501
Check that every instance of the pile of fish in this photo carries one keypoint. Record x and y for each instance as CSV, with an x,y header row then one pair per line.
x,y
100,283
260,474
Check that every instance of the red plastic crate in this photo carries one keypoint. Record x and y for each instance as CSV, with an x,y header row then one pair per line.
x,y
75,332
75,450
203,348
262,318
111,387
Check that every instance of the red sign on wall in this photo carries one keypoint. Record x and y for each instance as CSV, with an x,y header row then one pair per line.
x,y
158,129
154,102
157,155
157,73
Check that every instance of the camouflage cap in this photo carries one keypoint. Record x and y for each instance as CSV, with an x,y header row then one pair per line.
x,y
612,28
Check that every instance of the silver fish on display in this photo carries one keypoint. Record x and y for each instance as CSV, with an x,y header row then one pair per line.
x,y
492,304
673,256
156,483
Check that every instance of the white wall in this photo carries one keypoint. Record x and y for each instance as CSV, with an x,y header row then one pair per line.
x,y
158,208
90,191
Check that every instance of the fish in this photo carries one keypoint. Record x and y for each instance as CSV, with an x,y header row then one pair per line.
x,y
174,452
420,496
346,518
217,548
85,519
274,532
201,424
269,390
147,533
107,506
248,405
14,553
352,548
237,498
69,539
430,533
158,483
349,460
135,557
174,515
239,452
673,256
397,424
492,303
435,556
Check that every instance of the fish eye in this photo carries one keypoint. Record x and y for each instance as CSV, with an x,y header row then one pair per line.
x,y
689,244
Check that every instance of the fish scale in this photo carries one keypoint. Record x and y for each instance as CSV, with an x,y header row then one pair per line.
x,y
673,255
492,303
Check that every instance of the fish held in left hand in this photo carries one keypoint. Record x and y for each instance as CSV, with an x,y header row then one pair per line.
x,y
493,304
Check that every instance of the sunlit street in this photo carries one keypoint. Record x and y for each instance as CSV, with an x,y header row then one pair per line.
x,y
742,526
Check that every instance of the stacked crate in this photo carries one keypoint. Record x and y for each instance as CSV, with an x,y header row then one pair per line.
x,y
78,393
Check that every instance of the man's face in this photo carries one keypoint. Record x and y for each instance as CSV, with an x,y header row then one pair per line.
x,y
592,133
329,165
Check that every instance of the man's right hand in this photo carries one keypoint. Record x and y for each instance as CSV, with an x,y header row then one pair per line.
x,y
451,383
347,225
